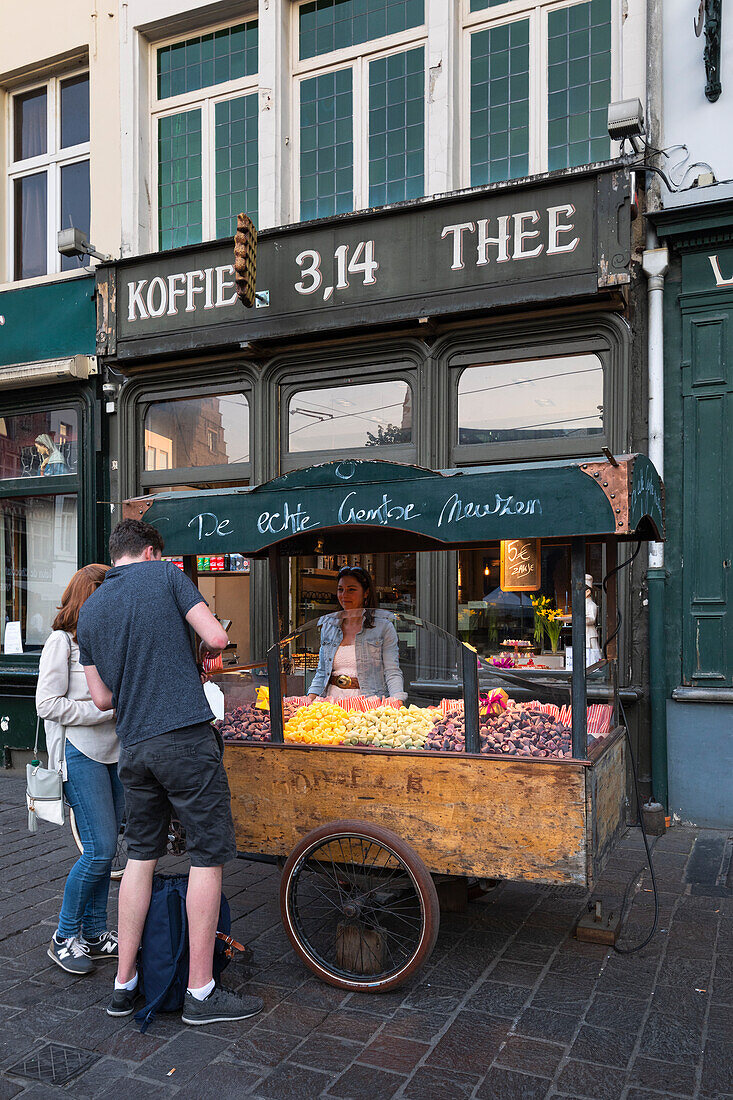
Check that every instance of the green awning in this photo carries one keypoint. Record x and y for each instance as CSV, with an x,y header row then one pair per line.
x,y
356,506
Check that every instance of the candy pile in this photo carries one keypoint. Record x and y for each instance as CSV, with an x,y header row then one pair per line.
x,y
518,729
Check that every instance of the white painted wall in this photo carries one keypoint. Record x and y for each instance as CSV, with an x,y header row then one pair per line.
x,y
47,37
687,116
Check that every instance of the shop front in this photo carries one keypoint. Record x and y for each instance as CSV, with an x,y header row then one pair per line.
x,y
493,326
49,421
698,459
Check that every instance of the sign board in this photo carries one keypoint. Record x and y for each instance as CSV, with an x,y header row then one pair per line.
x,y
504,244
521,565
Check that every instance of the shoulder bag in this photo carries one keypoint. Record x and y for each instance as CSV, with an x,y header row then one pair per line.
x,y
44,788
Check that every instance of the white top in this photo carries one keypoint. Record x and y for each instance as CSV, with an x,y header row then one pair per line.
x,y
344,664
63,700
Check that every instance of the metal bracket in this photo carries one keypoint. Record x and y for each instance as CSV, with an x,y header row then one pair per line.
x,y
614,481
709,16
262,299
136,509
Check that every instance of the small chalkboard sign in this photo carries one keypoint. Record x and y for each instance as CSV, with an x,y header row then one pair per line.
x,y
521,565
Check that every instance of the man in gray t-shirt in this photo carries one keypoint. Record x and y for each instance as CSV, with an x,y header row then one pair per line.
x,y
135,648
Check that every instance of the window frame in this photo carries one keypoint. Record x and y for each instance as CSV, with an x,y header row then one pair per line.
x,y
185,475
79,484
205,100
358,58
51,162
537,11
605,337
400,452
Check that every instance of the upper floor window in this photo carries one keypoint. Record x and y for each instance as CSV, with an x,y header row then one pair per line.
x,y
360,81
205,134
184,435
48,185
539,86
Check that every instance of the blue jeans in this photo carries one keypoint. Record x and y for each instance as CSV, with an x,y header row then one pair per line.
x,y
95,794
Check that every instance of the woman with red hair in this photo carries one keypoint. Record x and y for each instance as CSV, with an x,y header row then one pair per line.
x,y
82,740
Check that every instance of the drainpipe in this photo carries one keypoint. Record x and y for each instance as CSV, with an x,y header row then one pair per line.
x,y
654,264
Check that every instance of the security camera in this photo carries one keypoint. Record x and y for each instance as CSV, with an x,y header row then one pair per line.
x,y
109,389
72,242
626,120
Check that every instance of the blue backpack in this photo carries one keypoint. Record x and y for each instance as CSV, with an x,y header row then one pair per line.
x,y
163,957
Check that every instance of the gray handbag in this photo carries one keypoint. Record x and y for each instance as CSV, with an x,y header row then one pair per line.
x,y
45,788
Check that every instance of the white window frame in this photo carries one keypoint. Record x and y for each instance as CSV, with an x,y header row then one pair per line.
x,y
205,100
357,58
52,161
537,11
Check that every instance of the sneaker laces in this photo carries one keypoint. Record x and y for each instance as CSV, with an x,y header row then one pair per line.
x,y
77,948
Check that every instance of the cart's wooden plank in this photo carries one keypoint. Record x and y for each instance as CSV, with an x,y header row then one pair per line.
x,y
605,794
480,816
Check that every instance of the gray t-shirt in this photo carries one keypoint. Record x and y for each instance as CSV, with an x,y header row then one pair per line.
x,y
134,630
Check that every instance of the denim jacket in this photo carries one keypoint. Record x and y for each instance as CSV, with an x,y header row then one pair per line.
x,y
377,656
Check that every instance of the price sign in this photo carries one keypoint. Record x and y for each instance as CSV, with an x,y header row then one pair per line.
x,y
521,565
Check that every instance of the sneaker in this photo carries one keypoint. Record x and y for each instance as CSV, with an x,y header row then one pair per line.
x,y
71,955
104,947
123,1001
218,1007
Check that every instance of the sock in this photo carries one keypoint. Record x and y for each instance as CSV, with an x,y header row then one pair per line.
x,y
202,994
58,937
132,984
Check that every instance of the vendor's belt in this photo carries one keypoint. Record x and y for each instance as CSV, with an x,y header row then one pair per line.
x,y
344,681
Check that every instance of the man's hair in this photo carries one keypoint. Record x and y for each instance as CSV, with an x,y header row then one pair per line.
x,y
131,536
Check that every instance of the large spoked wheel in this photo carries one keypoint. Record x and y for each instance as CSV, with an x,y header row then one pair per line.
x,y
359,906
120,859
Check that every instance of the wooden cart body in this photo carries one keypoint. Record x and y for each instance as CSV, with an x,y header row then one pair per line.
x,y
550,821
488,816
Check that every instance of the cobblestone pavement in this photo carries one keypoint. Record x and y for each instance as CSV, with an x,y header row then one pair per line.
x,y
510,1005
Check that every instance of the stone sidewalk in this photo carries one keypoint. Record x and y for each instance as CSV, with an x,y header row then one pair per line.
x,y
509,1006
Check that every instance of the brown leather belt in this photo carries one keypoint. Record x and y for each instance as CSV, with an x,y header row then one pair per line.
x,y
344,681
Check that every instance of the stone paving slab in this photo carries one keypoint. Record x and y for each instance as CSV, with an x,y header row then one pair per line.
x,y
509,1007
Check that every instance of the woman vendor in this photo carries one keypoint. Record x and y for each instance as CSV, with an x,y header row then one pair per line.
x,y
359,648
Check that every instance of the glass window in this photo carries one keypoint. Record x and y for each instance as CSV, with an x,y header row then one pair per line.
x,y
314,582
208,59
377,414
30,127
558,55
397,127
39,444
236,161
579,83
327,25
179,179
31,209
75,111
197,431
326,145
500,103
530,400
38,540
51,122
207,152
75,203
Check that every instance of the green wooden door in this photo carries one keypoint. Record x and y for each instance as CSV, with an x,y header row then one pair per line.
x,y
707,514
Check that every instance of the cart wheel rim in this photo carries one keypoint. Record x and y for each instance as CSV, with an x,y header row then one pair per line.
x,y
372,910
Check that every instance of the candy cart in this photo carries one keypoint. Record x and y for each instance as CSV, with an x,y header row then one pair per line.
x,y
484,772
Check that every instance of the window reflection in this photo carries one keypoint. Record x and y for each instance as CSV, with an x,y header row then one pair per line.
x,y
38,540
198,431
39,444
531,399
343,417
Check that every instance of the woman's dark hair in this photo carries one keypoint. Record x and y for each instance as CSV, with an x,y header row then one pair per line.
x,y
85,581
131,536
371,600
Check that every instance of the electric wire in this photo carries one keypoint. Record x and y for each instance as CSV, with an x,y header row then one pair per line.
x,y
636,947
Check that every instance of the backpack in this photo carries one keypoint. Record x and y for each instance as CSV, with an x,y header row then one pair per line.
x,y
163,956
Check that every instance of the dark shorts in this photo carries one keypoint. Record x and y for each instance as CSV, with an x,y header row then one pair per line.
x,y
183,771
